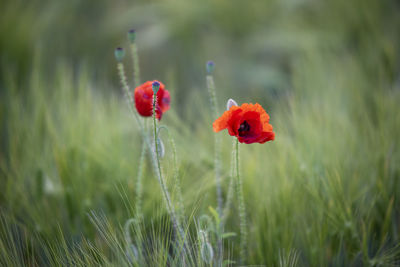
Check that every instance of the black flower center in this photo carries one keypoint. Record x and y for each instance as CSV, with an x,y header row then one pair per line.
x,y
244,127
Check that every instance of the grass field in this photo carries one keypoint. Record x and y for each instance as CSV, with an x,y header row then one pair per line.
x,y
325,192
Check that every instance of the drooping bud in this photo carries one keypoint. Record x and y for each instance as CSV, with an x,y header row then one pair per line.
x,y
132,35
210,66
156,87
119,54
160,148
230,104
131,253
207,252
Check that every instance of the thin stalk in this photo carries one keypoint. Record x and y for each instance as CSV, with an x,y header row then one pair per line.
x,y
217,148
128,96
167,198
217,165
242,209
231,187
136,75
154,156
177,184
139,186
129,100
135,62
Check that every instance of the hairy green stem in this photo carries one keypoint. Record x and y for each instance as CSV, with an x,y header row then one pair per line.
x,y
242,209
164,189
177,183
154,156
135,61
217,164
231,183
128,97
217,149
139,185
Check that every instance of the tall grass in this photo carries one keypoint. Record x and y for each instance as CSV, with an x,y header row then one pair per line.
x,y
324,193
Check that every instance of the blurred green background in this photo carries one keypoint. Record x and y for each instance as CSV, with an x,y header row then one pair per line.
x,y
327,189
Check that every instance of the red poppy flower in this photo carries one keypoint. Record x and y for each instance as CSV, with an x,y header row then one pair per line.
x,y
144,100
249,123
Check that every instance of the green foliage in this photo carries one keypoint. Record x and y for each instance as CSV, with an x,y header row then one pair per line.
x,y
324,193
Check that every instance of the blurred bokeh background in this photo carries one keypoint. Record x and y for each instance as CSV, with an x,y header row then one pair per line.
x,y
327,72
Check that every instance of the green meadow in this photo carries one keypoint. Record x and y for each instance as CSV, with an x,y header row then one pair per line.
x,y
325,192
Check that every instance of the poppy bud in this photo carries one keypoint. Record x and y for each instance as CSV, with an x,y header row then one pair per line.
x,y
130,251
160,148
210,66
207,252
119,54
155,86
132,35
230,104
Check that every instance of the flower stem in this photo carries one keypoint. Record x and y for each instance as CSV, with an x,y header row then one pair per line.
x,y
135,61
217,164
217,149
167,198
177,184
139,186
242,209
128,96
231,186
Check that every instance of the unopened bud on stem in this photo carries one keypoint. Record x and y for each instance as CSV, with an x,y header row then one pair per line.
x,y
119,54
156,87
230,104
132,35
210,67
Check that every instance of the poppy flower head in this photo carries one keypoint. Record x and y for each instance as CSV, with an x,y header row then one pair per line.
x,y
249,123
143,96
